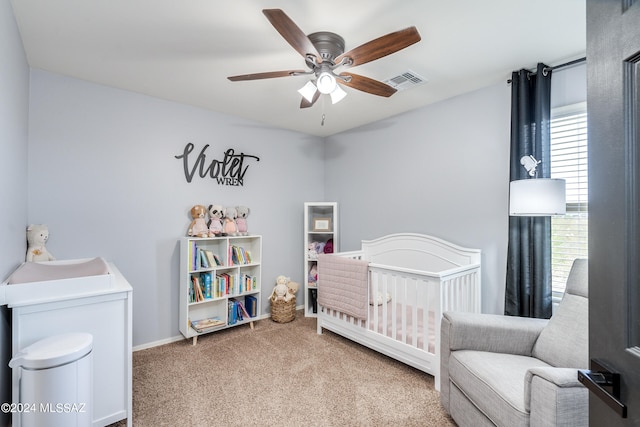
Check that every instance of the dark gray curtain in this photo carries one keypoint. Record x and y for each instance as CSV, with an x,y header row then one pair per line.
x,y
528,284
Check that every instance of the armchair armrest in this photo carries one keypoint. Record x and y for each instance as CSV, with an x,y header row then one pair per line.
x,y
491,332
554,396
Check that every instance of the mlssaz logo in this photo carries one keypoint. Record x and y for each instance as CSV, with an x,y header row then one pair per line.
x,y
228,171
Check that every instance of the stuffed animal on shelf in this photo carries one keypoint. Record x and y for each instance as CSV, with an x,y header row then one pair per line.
x,y
37,236
241,220
328,247
281,289
311,251
314,249
313,274
229,226
292,288
198,226
215,220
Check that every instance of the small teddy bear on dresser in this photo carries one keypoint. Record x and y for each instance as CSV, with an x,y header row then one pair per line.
x,y
37,236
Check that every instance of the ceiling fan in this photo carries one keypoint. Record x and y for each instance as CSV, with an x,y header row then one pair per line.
x,y
324,53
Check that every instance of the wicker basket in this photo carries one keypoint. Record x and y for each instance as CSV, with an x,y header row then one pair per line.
x,y
283,311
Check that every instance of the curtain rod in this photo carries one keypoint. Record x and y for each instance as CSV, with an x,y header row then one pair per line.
x,y
556,67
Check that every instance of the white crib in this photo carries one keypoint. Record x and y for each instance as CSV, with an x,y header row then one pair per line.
x,y
410,281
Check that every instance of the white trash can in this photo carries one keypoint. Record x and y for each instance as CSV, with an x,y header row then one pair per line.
x,y
56,381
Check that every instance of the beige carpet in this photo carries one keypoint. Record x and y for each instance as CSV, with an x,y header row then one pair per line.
x,y
279,374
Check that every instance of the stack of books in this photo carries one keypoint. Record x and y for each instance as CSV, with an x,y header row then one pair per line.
x,y
205,325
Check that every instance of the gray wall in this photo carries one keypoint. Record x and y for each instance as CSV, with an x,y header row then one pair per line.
x,y
14,91
103,177
440,170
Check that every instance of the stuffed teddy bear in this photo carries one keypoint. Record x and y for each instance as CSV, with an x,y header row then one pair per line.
x,y
229,226
198,226
37,236
281,289
241,220
215,220
292,288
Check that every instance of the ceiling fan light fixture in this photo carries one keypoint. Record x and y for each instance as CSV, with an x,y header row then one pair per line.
x,y
326,83
308,91
337,95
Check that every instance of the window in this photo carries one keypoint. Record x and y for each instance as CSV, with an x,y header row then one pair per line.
x,y
569,161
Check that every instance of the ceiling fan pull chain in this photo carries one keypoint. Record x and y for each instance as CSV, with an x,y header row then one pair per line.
x,y
323,116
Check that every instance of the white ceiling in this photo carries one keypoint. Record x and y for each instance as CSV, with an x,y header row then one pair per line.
x,y
183,50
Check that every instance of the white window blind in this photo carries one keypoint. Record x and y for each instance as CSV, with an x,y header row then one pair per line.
x,y
569,161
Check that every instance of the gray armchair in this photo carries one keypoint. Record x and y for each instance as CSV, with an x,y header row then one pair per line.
x,y
513,371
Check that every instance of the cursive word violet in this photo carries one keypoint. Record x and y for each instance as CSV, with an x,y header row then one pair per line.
x,y
228,171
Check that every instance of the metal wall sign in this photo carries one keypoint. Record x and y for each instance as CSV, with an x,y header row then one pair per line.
x,y
228,171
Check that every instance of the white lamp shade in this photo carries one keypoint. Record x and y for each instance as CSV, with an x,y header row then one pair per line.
x,y
537,197
337,94
308,91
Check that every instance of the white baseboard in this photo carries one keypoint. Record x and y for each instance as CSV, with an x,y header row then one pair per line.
x,y
157,343
180,337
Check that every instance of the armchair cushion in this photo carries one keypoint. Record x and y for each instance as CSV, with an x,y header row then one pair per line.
x,y
493,382
565,341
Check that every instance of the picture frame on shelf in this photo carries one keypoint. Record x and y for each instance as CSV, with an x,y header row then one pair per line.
x,y
322,224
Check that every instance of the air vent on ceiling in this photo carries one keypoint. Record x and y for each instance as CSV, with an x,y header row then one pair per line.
x,y
406,80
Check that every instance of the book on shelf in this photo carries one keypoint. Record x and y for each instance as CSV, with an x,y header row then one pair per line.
x,y
241,310
193,254
207,324
207,279
239,255
202,287
233,312
250,282
209,256
212,259
251,305
217,260
225,284
196,290
202,257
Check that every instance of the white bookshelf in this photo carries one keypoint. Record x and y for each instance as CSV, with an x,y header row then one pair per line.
x,y
320,225
236,278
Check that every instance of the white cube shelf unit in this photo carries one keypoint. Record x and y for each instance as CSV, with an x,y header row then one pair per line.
x,y
320,226
220,283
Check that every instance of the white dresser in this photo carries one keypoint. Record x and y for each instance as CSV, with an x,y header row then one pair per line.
x,y
99,304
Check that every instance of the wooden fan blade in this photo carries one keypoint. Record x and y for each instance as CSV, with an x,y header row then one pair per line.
x,y
267,75
380,47
306,104
367,84
292,33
